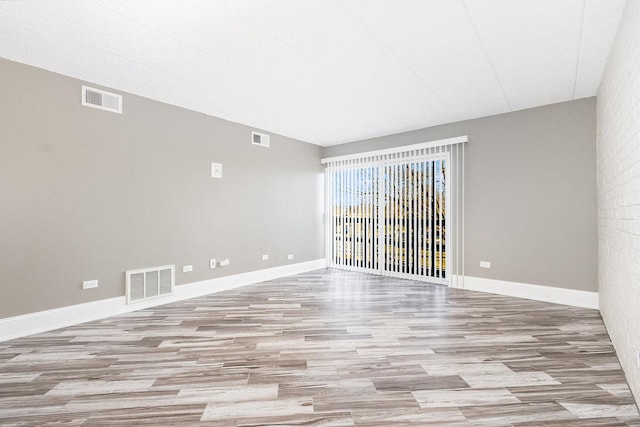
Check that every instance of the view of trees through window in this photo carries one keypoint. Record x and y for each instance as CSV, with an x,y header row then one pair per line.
x,y
391,217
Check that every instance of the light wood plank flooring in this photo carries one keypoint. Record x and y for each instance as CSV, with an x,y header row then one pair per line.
x,y
326,348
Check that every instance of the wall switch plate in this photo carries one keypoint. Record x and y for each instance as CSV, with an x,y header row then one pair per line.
x,y
637,356
290,256
265,257
89,284
187,268
224,263
216,170
212,263
485,264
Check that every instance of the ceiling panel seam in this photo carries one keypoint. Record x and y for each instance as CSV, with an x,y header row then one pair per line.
x,y
578,56
486,54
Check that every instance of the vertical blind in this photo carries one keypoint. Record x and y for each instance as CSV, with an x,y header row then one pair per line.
x,y
398,212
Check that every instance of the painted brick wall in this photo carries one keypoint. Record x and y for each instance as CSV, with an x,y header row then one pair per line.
x,y
619,193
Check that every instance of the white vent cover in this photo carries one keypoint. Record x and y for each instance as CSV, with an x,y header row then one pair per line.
x,y
260,139
150,283
96,98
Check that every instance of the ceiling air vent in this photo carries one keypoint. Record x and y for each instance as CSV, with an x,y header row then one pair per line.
x,y
260,139
96,98
150,283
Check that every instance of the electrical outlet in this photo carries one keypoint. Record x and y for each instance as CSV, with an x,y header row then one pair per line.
x,y
265,257
485,264
89,284
224,263
290,256
187,268
212,263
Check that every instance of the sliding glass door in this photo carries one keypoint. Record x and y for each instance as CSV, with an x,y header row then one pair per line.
x,y
355,217
392,214
415,217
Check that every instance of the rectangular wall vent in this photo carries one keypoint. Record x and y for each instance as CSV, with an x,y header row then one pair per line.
x,y
150,283
260,139
96,98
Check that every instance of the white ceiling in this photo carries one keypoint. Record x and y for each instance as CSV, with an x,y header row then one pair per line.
x,y
328,71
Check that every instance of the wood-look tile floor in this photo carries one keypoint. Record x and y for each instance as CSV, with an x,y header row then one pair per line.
x,y
326,348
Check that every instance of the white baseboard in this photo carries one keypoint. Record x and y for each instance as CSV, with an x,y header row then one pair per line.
x,y
43,321
552,294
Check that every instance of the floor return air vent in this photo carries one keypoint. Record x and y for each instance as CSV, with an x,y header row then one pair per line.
x,y
148,283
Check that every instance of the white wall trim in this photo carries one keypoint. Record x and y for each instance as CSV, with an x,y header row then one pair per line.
x,y
552,294
43,321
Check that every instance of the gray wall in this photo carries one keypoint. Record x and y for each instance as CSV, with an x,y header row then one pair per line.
x,y
530,205
87,194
